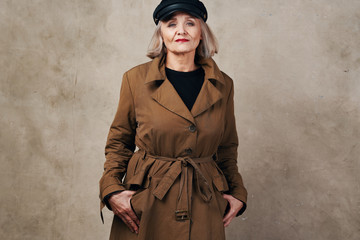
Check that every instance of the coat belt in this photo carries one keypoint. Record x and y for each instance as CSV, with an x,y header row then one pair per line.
x,y
188,169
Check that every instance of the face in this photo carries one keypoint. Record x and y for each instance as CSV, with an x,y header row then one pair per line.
x,y
181,34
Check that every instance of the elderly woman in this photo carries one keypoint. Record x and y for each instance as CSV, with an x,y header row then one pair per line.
x,y
178,110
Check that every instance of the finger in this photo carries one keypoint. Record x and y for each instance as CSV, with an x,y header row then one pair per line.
x,y
126,223
133,216
131,222
133,225
131,212
226,196
229,216
227,223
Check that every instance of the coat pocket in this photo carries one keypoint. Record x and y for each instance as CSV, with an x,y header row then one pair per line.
x,y
221,186
142,201
138,200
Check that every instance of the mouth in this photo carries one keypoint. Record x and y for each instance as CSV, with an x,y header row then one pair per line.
x,y
181,40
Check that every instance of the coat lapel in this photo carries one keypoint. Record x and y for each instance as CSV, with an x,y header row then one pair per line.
x,y
167,96
207,97
209,94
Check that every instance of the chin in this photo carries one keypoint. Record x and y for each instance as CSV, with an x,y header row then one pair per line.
x,y
183,51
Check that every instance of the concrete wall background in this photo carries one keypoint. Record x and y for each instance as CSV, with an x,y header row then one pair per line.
x,y
296,67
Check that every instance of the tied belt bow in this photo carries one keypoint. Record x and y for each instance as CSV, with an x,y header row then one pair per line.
x,y
188,169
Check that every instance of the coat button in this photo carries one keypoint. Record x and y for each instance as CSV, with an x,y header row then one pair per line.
x,y
192,128
188,151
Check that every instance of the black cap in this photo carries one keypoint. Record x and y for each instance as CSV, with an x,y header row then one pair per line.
x,y
168,7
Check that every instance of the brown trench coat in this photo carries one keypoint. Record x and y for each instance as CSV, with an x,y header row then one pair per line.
x,y
186,159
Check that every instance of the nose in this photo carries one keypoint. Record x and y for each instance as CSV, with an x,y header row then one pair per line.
x,y
181,30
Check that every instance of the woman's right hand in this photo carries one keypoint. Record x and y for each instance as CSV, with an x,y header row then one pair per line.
x,y
120,205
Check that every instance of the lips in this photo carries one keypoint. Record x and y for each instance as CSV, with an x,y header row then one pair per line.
x,y
181,40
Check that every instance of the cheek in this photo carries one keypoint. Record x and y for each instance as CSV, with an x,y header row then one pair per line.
x,y
166,38
164,35
198,38
197,35
167,43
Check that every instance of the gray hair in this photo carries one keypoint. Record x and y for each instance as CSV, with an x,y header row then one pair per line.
x,y
208,46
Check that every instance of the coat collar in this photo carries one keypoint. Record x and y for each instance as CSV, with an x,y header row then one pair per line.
x,y
167,96
157,70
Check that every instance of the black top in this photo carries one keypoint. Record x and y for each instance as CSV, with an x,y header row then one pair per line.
x,y
187,84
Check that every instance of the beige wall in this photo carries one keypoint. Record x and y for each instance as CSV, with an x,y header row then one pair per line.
x,y
296,68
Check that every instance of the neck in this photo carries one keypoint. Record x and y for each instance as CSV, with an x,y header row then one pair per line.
x,y
181,62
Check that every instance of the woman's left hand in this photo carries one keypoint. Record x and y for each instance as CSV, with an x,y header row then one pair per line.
x,y
235,206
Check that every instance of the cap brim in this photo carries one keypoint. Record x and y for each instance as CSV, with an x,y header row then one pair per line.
x,y
167,11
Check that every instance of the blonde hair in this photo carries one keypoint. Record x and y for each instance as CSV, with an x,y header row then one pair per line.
x,y
208,46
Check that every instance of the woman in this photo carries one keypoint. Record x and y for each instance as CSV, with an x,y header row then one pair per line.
x,y
178,109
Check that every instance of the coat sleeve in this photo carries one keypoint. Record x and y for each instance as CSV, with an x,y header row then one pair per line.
x,y
120,143
227,154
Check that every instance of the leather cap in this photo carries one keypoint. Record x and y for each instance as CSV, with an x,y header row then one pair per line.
x,y
168,7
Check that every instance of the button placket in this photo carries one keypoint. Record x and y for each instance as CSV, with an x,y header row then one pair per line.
x,y
192,139
192,128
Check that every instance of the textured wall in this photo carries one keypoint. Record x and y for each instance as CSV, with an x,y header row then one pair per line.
x,y
296,67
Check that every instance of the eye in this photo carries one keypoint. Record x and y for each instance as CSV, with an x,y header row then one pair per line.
x,y
190,24
171,25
